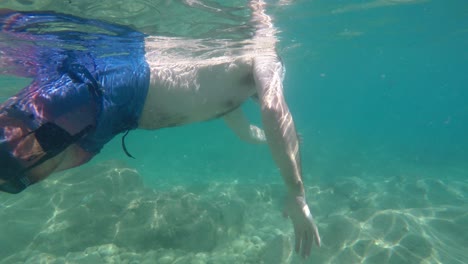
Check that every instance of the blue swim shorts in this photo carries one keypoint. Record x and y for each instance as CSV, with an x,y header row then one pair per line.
x,y
89,83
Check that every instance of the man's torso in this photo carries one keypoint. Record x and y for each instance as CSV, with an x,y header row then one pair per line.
x,y
191,88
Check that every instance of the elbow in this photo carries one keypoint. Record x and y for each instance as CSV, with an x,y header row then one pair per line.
x,y
273,104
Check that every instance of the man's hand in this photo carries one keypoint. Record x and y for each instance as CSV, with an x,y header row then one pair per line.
x,y
237,121
305,230
257,134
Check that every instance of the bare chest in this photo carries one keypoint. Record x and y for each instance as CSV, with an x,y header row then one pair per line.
x,y
182,93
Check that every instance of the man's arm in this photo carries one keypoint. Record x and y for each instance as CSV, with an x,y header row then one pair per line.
x,y
282,139
238,123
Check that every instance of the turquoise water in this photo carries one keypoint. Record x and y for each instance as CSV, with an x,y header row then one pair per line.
x,y
378,92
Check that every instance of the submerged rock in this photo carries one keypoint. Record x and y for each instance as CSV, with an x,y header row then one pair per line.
x,y
278,250
104,213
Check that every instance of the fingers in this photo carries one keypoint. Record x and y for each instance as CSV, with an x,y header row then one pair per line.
x,y
317,237
303,242
316,234
305,239
307,245
304,245
297,236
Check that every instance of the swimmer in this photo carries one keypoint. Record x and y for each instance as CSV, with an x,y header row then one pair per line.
x,y
92,86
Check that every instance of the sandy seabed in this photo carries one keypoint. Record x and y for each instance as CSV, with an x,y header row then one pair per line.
x,y
104,214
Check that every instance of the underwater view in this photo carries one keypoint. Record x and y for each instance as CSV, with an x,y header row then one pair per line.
x,y
378,90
